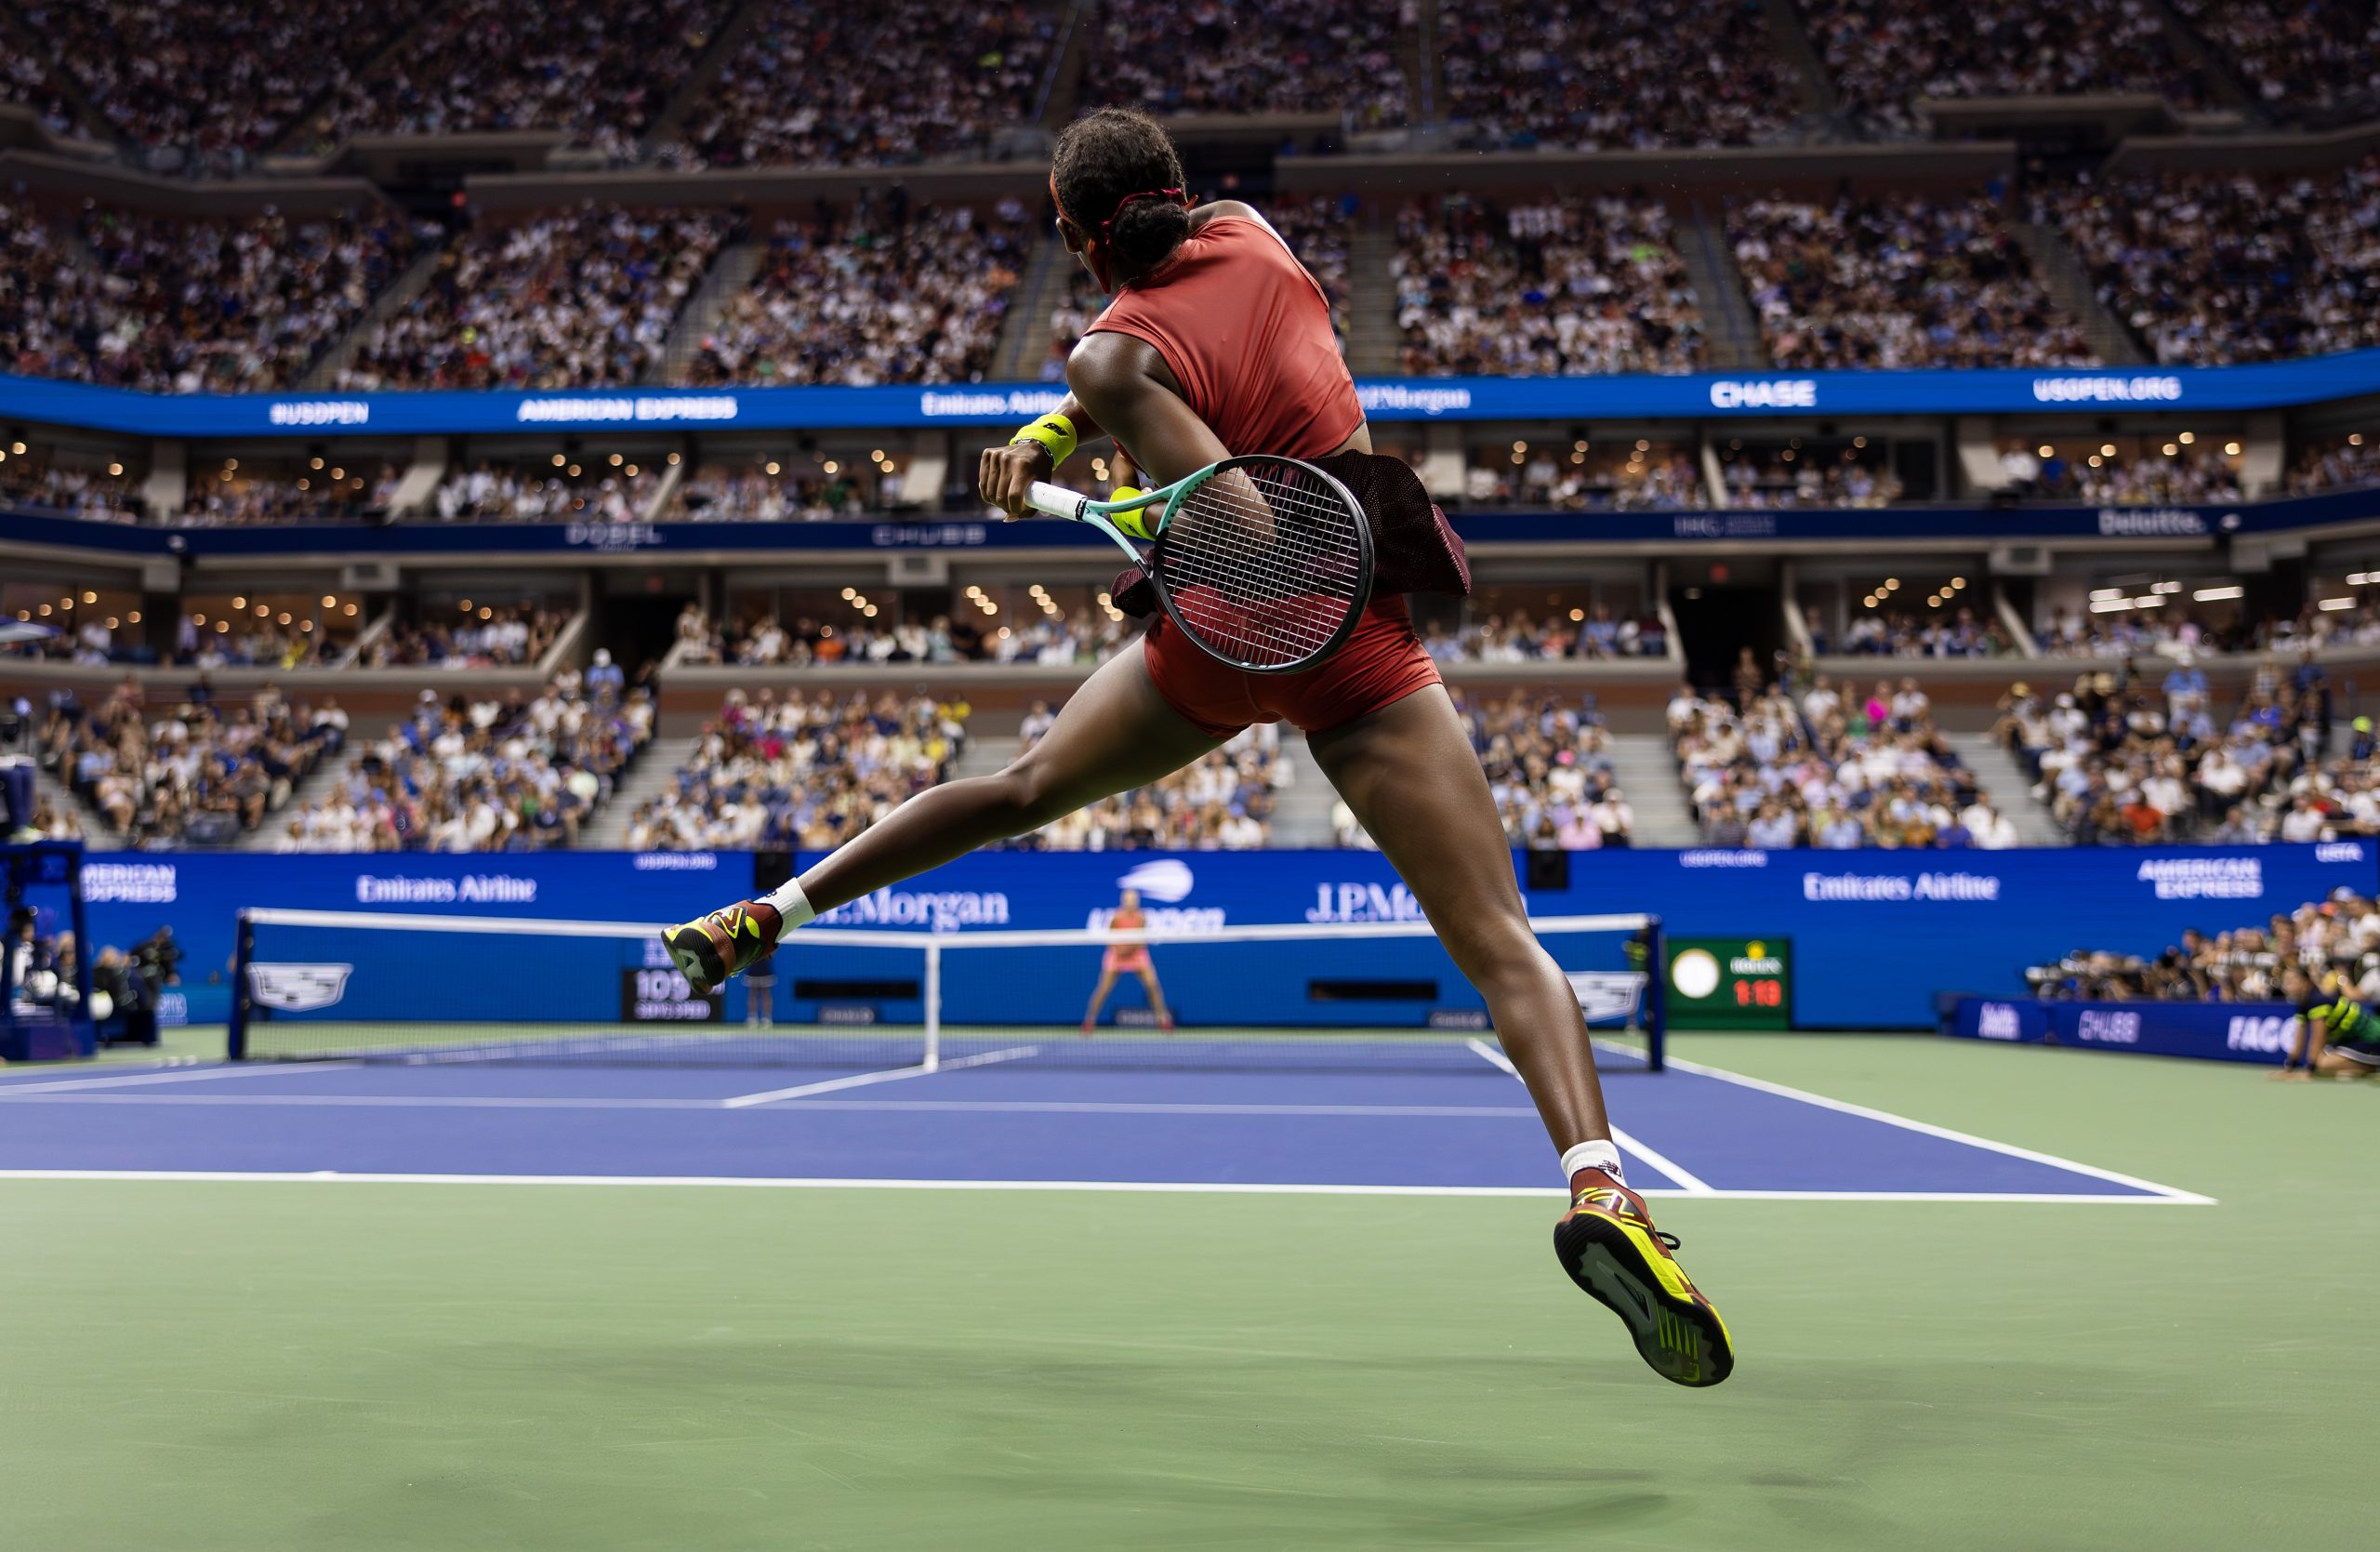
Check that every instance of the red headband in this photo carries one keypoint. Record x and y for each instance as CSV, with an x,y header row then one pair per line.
x,y
1175,197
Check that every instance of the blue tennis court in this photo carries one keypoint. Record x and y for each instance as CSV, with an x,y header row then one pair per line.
x,y
1010,1120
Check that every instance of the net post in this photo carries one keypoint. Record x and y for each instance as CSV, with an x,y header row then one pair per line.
x,y
235,1043
1657,1002
933,1003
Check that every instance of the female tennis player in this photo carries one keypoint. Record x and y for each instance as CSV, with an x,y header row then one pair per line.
x,y
1217,342
1127,959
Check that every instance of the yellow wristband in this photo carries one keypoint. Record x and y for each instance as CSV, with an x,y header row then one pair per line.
x,y
1054,432
1134,522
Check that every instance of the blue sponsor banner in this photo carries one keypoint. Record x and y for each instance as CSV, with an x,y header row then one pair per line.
x,y
1876,935
2018,1020
1485,529
2267,385
2258,1032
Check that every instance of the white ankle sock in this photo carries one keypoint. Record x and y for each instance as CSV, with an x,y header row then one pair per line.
x,y
1601,1153
792,905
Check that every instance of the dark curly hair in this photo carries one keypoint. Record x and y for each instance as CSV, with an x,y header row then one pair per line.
x,y
1102,159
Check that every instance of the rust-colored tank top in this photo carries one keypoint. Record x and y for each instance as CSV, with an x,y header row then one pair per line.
x,y
1247,333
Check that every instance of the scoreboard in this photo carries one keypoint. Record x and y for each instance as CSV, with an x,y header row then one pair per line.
x,y
1730,983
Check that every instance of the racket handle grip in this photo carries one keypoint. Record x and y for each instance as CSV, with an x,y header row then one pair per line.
x,y
1056,500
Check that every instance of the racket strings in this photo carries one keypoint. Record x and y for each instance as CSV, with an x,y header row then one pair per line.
x,y
1265,564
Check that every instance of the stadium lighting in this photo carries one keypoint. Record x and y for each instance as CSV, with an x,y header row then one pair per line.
x,y
2218,595
2232,449
1958,581
133,618
1892,584
2171,450
350,610
560,459
2047,451
112,469
338,473
239,603
2109,605
2186,438
2358,578
2335,604
849,593
315,464
16,447
617,459
2149,601
1577,615
2354,439
2102,594
2107,450
832,467
2166,587
330,600
90,598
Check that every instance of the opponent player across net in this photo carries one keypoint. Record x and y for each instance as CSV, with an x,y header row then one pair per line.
x,y
1217,340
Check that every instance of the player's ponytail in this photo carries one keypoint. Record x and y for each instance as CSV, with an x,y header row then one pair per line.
x,y
1144,231
1119,181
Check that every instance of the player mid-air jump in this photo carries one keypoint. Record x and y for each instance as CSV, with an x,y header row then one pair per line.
x,y
1217,341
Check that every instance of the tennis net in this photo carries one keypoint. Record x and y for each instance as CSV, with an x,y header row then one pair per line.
x,y
385,986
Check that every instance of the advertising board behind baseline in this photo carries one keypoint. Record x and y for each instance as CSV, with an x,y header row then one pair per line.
x,y
1876,935
2259,1032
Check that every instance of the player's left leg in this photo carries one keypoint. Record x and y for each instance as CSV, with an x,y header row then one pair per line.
x,y
1409,774
1116,732
1156,996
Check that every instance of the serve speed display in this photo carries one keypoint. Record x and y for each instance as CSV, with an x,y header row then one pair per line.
x,y
660,995
1730,983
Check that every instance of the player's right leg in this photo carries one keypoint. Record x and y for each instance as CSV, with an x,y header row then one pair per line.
x,y
1098,998
1409,774
1117,733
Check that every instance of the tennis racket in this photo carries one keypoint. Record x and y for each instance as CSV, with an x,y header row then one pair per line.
x,y
1264,563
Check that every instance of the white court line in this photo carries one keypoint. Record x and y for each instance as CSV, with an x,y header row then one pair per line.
x,y
182,1075
2012,1150
863,1079
1692,1184
988,1106
1183,1188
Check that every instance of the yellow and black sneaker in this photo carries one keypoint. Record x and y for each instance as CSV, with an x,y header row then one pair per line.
x,y
1609,1245
709,949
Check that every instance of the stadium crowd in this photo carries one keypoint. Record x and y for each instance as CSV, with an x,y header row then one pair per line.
x,y
535,492
195,306
1675,73
1941,632
1828,768
1549,769
2120,760
2209,271
194,770
1570,285
491,637
768,640
465,775
576,299
883,294
251,496
1883,59
2333,943
2303,61
1904,282
2334,462
599,72
807,772
197,96
1491,638
1182,57
89,494
904,81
